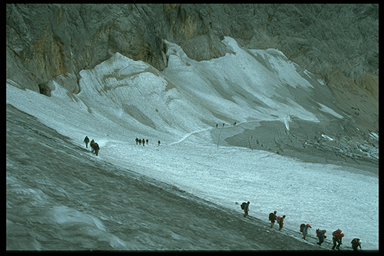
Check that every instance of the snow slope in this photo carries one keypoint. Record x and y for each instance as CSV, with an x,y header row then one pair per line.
x,y
121,99
60,197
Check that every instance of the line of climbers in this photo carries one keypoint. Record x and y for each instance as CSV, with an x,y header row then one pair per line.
x,y
141,141
234,124
94,146
337,235
144,141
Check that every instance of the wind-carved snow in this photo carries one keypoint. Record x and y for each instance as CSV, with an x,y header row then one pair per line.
x,y
122,99
374,136
286,122
287,70
94,227
327,137
329,110
240,74
65,215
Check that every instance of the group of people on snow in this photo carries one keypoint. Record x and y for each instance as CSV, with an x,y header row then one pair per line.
x,y
141,141
94,146
217,125
144,141
337,235
274,218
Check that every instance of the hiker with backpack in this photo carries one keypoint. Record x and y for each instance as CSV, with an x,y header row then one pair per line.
x,y
356,242
94,147
281,221
337,239
245,207
321,235
304,229
272,218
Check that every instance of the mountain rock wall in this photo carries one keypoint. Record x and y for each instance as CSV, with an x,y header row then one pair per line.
x,y
337,42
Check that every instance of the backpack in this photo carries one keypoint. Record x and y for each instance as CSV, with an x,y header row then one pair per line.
x,y
302,226
320,233
243,205
355,241
271,216
337,233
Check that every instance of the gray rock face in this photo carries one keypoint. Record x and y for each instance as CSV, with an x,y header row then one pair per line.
x,y
339,43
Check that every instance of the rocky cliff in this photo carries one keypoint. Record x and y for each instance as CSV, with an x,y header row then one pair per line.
x,y
338,43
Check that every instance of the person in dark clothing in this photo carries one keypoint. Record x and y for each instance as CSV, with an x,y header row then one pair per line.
x,y
337,239
95,148
158,143
321,235
356,243
86,141
91,144
245,207
272,218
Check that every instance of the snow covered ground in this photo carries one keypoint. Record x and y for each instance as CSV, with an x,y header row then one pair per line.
x,y
122,99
